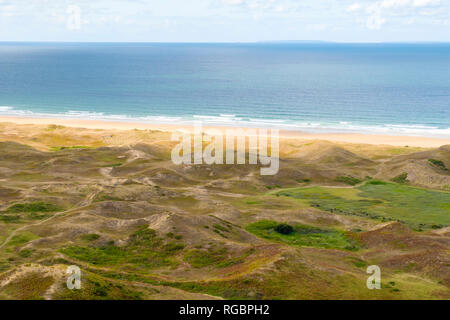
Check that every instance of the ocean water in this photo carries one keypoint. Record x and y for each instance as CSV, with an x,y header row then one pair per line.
x,y
316,87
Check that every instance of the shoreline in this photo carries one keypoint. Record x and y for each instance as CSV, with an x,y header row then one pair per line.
x,y
356,138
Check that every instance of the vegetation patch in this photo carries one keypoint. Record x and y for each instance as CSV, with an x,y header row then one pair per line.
x,y
376,183
357,262
214,257
106,157
402,178
114,165
284,229
277,186
4,266
224,228
69,148
380,201
26,253
33,207
34,211
96,288
145,250
106,197
7,218
302,235
291,279
348,180
22,238
200,258
438,164
90,237
31,287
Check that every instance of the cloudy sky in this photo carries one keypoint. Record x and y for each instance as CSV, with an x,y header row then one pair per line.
x,y
224,20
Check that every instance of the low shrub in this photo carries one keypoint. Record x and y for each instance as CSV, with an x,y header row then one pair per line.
x,y
401,179
33,207
284,229
438,163
348,180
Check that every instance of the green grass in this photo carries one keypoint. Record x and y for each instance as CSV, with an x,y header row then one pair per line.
x,y
277,186
26,253
438,163
145,250
118,164
6,218
303,235
221,227
418,208
94,287
90,237
4,266
33,211
214,257
106,197
22,238
54,149
290,278
107,158
376,183
357,262
199,258
348,180
30,287
33,207
284,228
403,150
402,178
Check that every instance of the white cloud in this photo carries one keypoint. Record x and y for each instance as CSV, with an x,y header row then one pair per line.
x,y
225,20
8,11
268,6
375,20
380,11
426,3
428,12
233,2
394,3
354,7
317,27
280,9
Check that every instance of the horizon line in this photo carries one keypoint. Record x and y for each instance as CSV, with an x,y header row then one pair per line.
x,y
237,42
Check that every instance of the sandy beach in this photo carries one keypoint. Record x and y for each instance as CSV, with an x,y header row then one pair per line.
x,y
375,139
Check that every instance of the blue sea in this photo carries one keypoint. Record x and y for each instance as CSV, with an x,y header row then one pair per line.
x,y
394,89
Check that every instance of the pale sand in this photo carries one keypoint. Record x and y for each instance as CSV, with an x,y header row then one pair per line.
x,y
423,142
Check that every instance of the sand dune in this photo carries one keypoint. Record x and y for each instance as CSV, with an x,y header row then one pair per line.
x,y
110,200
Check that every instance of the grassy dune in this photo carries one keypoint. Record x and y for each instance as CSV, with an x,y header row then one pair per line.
x,y
140,227
415,207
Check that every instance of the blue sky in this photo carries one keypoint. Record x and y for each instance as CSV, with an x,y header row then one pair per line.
x,y
224,20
